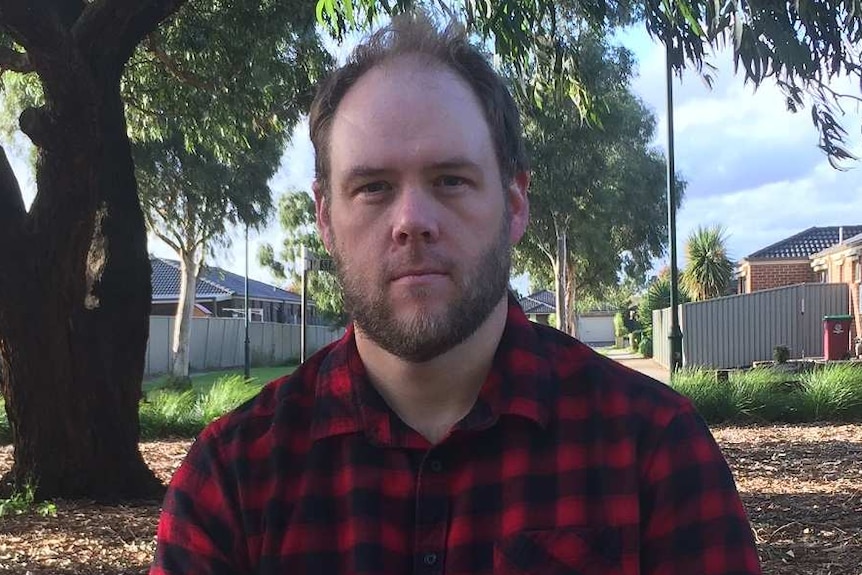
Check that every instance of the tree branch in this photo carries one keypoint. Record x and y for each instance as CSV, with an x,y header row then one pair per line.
x,y
109,30
14,61
183,76
164,237
11,201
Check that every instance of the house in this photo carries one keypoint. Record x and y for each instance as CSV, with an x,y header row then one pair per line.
x,y
842,263
539,306
220,293
595,327
788,262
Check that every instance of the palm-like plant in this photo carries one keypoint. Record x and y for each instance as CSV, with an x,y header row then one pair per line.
x,y
708,271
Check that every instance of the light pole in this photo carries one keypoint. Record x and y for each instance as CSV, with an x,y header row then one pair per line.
x,y
247,361
675,334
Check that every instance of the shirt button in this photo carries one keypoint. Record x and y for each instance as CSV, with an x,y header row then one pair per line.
x,y
430,559
436,465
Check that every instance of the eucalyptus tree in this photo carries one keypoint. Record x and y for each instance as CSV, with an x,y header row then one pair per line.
x,y
75,289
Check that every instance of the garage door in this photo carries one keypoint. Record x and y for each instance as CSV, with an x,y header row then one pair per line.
x,y
596,330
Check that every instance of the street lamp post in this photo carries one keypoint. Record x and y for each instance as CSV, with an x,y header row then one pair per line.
x,y
247,359
675,334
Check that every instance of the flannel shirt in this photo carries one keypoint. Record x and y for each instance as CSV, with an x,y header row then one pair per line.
x,y
567,463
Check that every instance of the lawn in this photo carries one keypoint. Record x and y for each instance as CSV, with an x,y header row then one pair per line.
x,y
206,379
801,485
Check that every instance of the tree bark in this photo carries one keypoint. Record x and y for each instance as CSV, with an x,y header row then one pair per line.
x,y
560,269
189,268
75,288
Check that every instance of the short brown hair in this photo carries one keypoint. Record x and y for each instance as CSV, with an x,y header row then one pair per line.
x,y
414,33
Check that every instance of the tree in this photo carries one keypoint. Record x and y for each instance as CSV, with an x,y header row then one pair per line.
x,y
708,270
597,203
75,288
194,184
802,47
297,218
189,201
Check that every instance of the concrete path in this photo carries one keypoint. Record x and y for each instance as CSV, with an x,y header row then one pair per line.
x,y
636,362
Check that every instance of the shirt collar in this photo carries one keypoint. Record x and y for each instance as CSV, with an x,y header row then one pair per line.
x,y
519,383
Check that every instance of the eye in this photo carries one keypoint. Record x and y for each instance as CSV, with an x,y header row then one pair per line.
x,y
451,181
373,188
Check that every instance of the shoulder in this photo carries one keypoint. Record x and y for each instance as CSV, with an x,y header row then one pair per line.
x,y
595,381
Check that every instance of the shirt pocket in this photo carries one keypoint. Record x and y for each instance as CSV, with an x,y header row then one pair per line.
x,y
564,551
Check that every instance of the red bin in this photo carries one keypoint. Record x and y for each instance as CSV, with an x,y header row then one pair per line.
x,y
836,336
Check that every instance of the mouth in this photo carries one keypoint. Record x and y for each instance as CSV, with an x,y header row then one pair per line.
x,y
417,274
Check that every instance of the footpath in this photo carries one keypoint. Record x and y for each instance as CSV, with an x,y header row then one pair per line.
x,y
634,361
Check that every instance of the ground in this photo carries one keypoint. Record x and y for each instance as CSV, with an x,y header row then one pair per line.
x,y
802,487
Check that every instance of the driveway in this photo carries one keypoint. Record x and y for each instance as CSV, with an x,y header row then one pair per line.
x,y
636,362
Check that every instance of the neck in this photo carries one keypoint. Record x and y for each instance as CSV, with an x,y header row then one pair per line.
x,y
432,396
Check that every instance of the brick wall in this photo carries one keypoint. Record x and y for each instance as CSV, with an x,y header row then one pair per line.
x,y
763,276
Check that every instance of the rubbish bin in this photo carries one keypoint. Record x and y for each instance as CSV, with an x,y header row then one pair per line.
x,y
836,336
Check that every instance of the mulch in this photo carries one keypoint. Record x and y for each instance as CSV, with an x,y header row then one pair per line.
x,y
801,485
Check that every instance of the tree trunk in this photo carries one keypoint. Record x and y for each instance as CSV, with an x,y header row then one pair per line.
x,y
560,269
571,303
74,302
183,320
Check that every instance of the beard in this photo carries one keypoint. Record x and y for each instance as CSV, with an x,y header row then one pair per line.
x,y
425,335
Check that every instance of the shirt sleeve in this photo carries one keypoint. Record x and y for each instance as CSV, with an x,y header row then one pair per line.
x,y
693,520
199,531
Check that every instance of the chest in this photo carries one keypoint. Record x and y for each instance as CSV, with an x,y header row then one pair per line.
x,y
488,502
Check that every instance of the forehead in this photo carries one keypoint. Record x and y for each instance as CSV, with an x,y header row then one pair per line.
x,y
409,110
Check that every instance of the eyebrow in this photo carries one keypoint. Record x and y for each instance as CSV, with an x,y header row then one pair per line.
x,y
363,171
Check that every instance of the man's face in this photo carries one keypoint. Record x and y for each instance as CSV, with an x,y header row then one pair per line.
x,y
417,218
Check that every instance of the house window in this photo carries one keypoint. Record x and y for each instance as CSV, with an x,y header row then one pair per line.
x,y
857,272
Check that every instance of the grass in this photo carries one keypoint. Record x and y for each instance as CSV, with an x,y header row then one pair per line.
x,y
828,393
202,381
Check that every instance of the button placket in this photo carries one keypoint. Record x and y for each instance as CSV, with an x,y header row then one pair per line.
x,y
432,516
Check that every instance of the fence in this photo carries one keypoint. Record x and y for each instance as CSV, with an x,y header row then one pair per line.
x,y
219,343
737,330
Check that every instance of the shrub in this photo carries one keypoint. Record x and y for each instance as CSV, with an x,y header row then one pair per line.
x,y
645,346
833,392
167,413
765,395
712,399
781,354
620,329
225,394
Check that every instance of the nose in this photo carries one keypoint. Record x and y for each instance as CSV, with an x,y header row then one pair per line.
x,y
415,217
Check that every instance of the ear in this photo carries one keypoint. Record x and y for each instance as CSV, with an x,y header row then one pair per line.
x,y
519,206
322,215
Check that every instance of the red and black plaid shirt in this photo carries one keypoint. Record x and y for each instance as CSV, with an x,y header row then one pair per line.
x,y
567,463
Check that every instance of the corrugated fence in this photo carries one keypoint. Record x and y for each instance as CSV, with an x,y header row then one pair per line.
x,y
218,343
735,331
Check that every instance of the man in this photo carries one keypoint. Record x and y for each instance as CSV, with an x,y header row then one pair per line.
x,y
445,433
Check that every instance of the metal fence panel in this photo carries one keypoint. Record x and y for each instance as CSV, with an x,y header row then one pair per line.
x,y
735,331
219,343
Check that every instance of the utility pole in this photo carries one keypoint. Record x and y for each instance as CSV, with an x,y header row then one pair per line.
x,y
675,335
247,359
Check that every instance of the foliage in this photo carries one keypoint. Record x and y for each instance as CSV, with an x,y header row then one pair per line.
x,y
23,501
5,430
833,393
781,353
602,188
657,296
802,47
297,218
174,413
829,393
711,397
620,325
645,345
708,271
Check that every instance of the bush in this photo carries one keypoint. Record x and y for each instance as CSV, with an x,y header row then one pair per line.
x,y
620,329
833,393
781,354
765,395
645,346
226,394
712,398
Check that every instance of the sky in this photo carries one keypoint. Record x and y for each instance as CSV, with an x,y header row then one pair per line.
x,y
751,166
